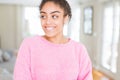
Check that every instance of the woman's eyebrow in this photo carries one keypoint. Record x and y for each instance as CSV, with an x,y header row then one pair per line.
x,y
51,12
42,12
55,12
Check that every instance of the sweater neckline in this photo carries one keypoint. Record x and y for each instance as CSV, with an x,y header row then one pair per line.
x,y
55,44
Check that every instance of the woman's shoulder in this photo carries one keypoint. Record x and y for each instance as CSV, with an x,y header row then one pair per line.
x,y
81,49
78,44
31,39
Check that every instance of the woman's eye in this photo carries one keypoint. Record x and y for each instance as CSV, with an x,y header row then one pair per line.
x,y
54,17
42,17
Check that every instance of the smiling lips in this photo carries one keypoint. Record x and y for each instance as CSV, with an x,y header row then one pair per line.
x,y
49,28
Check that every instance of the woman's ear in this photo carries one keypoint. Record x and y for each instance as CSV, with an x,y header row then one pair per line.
x,y
66,19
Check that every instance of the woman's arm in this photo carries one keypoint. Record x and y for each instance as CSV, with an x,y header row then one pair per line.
x,y
85,72
22,70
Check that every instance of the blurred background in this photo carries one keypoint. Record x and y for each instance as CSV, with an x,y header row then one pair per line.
x,y
95,23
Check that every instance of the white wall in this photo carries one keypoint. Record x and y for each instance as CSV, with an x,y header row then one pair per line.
x,y
92,41
30,2
118,66
7,26
21,2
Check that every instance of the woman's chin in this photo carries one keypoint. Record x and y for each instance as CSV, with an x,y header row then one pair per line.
x,y
49,35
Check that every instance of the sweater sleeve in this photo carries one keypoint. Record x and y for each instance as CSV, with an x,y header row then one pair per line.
x,y
85,71
22,69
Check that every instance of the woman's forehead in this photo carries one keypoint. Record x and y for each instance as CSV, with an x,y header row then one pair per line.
x,y
51,7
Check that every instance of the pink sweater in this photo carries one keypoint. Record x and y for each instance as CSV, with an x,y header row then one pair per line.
x,y
39,59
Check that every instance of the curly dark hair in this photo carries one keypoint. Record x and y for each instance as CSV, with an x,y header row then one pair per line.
x,y
62,3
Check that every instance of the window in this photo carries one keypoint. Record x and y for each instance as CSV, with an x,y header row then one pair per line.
x,y
74,25
88,19
111,29
32,21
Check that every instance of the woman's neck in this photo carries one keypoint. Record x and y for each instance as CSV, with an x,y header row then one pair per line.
x,y
57,39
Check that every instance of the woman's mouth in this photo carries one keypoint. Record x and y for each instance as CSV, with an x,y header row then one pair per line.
x,y
49,28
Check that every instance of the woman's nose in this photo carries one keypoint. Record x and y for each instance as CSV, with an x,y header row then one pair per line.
x,y
48,21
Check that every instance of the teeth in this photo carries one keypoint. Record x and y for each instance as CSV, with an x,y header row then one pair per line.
x,y
50,28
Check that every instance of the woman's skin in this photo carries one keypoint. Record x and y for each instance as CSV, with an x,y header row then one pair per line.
x,y
52,21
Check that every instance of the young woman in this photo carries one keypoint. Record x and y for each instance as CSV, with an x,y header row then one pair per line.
x,y
53,56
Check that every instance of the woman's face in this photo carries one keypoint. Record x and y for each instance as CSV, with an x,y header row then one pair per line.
x,y
52,19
